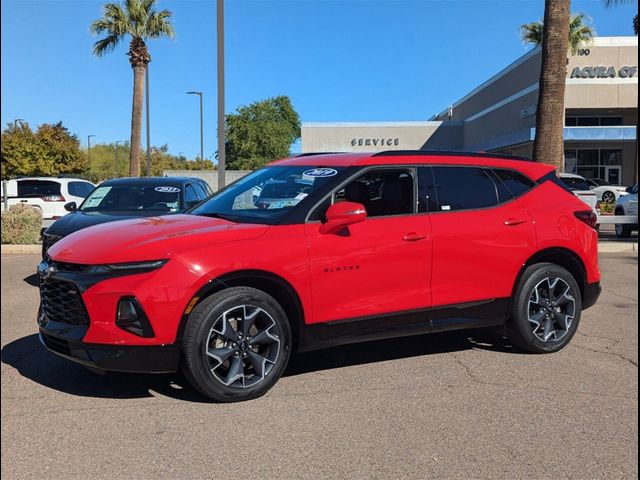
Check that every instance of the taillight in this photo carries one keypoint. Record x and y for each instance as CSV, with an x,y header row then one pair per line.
x,y
588,217
53,198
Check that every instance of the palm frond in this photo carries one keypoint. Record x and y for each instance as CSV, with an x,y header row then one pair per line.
x,y
106,45
159,25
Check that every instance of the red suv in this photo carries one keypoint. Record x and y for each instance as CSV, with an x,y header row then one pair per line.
x,y
320,250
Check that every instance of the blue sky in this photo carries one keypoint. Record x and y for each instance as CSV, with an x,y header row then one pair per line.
x,y
337,60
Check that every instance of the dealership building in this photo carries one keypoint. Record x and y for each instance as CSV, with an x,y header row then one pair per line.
x,y
601,105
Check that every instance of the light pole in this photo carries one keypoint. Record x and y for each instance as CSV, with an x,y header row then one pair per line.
x,y
16,121
115,167
89,148
201,124
220,55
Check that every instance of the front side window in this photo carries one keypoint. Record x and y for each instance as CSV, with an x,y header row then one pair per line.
x,y
464,188
382,192
80,189
266,195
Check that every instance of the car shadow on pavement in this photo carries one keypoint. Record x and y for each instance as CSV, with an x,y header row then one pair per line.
x,y
33,361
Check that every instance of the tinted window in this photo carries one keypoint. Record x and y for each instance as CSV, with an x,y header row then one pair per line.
x,y
575,183
610,121
80,189
38,188
200,193
516,183
190,197
463,188
427,201
382,192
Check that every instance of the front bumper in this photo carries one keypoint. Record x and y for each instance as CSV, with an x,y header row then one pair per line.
x,y
66,341
591,294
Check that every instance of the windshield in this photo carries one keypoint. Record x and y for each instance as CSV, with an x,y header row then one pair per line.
x,y
158,199
264,196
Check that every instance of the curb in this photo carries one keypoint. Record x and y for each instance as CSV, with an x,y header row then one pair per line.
x,y
21,248
617,247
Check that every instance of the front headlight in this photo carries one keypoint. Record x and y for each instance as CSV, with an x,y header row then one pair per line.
x,y
130,267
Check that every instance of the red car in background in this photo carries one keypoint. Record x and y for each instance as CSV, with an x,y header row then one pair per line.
x,y
320,250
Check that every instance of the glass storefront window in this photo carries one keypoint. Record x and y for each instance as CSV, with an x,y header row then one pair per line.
x,y
605,164
588,157
570,161
611,157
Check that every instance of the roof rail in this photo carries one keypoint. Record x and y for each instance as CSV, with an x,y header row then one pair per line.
x,y
311,154
446,153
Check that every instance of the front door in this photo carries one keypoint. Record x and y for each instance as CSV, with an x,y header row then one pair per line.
x,y
613,174
378,266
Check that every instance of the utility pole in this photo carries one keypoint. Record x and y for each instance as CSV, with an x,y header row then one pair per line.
x,y
221,136
89,148
201,124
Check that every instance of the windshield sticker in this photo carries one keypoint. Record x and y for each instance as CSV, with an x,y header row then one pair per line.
x,y
95,199
167,189
320,172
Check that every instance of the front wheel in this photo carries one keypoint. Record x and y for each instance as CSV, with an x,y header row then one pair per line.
x,y
609,197
546,309
236,344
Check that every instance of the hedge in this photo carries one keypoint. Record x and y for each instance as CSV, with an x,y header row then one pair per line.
x,y
21,225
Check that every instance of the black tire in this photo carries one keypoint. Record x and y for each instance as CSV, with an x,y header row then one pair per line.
x,y
608,197
623,230
199,334
525,334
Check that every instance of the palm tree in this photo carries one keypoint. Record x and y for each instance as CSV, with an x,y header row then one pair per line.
x,y
139,20
580,32
548,146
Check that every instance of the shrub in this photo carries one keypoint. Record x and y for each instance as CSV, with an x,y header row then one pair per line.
x,y
21,225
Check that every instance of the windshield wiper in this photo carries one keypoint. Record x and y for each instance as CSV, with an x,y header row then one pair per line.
x,y
224,216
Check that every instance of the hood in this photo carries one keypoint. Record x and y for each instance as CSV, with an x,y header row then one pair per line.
x,y
72,222
151,238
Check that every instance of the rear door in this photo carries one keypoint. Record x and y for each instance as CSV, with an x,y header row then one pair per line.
x,y
482,235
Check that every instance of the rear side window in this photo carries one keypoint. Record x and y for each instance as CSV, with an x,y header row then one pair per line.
x,y
552,177
464,188
80,189
516,183
37,188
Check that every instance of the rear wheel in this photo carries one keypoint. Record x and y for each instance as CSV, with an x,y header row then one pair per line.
x,y
236,344
608,197
546,309
623,230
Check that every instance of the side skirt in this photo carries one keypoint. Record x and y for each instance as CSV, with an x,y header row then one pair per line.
x,y
486,313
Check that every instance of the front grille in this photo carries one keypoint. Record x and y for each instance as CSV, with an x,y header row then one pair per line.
x,y
48,241
62,302
56,344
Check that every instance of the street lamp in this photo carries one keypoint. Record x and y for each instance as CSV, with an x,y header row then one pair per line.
x,y
201,124
115,168
16,121
89,148
220,78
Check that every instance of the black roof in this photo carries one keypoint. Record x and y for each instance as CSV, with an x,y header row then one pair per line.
x,y
142,181
446,153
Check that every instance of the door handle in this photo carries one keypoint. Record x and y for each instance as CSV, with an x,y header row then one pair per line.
x,y
414,237
510,222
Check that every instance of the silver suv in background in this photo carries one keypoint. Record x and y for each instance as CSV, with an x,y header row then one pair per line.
x,y
627,205
48,194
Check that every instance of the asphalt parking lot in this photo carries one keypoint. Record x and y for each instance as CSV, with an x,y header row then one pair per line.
x,y
461,405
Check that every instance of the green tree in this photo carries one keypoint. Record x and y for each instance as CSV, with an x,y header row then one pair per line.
x,y
261,132
580,33
139,20
50,150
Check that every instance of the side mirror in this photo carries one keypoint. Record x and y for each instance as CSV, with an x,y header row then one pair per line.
x,y
629,189
342,214
70,207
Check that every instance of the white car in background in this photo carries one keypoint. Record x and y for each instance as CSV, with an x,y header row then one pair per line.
x,y
606,192
48,194
580,188
627,205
